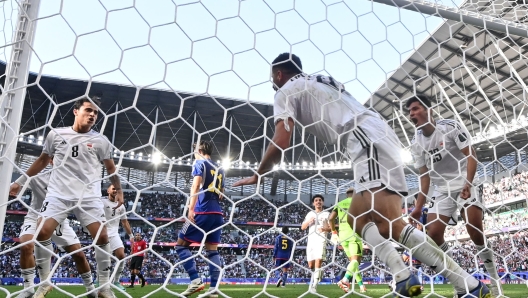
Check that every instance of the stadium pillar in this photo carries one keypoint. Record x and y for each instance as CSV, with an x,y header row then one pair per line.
x,y
460,15
115,123
14,94
229,139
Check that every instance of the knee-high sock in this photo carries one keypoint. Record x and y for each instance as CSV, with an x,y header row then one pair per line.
x,y
385,251
120,267
132,279
189,265
87,280
43,253
284,277
29,277
425,250
445,248
104,263
214,268
486,255
353,271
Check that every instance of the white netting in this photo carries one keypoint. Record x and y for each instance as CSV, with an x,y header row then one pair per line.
x,y
171,73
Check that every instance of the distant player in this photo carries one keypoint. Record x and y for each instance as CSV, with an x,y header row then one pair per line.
x,y
443,154
113,217
75,186
139,247
64,236
350,241
322,106
205,213
316,221
281,254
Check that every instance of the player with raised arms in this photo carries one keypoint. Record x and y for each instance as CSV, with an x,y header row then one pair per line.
x,y
113,216
75,186
63,236
443,154
205,213
282,252
316,221
325,109
350,241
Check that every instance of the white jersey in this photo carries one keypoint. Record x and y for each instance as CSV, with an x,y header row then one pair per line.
x,y
113,216
77,163
323,104
440,153
321,220
38,186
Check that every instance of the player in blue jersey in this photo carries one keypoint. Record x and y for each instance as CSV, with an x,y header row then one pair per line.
x,y
205,213
281,254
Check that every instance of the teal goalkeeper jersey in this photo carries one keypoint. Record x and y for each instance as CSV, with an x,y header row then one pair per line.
x,y
346,233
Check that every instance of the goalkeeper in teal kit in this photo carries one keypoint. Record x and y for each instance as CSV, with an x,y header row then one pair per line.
x,y
350,241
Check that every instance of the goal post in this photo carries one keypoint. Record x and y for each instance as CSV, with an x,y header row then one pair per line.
x,y
14,94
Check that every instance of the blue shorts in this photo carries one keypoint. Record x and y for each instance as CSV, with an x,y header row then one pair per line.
x,y
206,222
279,262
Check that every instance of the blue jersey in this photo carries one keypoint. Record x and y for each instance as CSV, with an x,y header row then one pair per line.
x,y
423,217
283,248
212,183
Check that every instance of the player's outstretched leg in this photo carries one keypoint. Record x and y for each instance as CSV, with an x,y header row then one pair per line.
x,y
102,257
43,253
120,255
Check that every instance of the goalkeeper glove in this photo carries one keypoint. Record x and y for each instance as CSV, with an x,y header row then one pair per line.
x,y
334,239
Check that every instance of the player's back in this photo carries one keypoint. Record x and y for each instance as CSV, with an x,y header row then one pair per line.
x,y
323,104
212,184
345,230
76,163
39,188
283,247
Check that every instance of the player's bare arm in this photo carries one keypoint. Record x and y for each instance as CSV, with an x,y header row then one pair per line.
x,y
195,189
116,182
128,229
281,141
38,165
331,220
425,183
472,160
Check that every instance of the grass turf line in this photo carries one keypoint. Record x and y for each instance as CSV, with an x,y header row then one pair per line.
x,y
290,291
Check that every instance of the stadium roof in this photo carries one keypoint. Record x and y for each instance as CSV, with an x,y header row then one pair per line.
x,y
480,74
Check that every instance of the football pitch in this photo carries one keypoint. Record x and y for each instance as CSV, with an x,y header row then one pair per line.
x,y
290,291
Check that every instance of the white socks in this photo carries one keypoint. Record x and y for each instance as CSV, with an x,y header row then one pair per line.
x,y
43,253
429,253
104,264
119,270
383,249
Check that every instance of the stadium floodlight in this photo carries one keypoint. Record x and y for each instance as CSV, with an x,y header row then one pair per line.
x,y
226,164
156,158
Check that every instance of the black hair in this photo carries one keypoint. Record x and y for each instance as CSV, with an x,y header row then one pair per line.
x,y
285,230
423,100
317,196
80,102
205,146
289,63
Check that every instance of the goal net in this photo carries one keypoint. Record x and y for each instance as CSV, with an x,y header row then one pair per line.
x,y
172,73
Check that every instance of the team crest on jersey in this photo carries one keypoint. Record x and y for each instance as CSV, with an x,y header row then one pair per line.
x,y
90,147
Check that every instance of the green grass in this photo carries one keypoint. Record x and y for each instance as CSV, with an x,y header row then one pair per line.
x,y
290,291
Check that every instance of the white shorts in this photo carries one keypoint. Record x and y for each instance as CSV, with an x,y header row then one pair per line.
x,y
90,210
375,152
63,236
444,204
315,251
115,242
